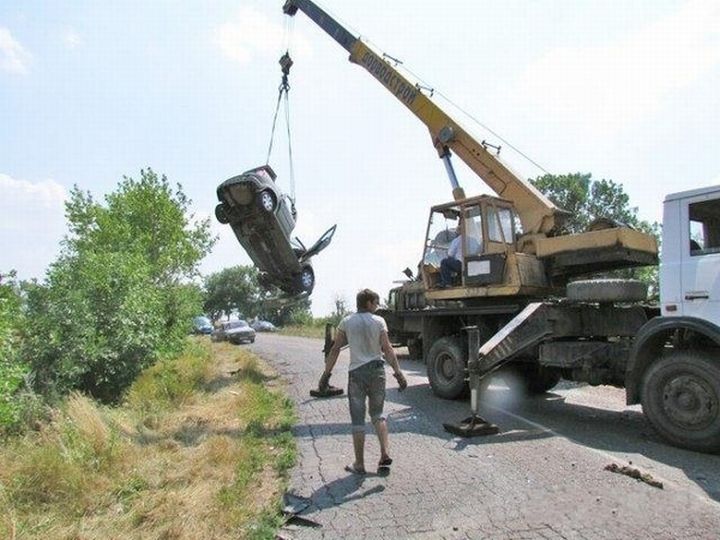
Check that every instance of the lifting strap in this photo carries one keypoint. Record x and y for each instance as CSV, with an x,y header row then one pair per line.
x,y
283,92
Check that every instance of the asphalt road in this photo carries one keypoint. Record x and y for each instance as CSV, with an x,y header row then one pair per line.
x,y
543,476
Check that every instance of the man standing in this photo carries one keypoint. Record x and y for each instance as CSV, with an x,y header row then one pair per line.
x,y
366,333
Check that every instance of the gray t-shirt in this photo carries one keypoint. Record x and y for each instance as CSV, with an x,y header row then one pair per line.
x,y
363,332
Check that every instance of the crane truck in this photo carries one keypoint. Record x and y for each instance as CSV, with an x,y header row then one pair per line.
x,y
517,305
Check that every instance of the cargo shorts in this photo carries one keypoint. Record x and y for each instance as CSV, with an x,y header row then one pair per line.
x,y
366,384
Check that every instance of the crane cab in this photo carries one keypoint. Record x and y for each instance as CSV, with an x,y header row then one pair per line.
x,y
486,230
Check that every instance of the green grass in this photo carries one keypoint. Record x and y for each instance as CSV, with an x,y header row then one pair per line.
x,y
180,435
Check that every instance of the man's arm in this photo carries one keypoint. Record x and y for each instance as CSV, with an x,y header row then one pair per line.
x,y
392,359
339,343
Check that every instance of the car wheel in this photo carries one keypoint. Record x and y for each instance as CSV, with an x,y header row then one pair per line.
x,y
681,399
307,279
221,214
446,368
267,201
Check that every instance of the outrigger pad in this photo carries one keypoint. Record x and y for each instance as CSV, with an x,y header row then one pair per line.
x,y
472,426
330,391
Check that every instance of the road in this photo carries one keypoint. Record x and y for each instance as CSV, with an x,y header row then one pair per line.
x,y
543,476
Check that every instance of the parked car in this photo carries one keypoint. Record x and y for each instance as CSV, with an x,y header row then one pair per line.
x,y
262,218
264,326
236,332
202,325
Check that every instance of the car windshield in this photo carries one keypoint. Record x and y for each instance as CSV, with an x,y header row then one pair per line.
x,y
236,324
201,321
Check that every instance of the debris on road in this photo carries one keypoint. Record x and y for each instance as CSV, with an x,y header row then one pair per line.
x,y
634,473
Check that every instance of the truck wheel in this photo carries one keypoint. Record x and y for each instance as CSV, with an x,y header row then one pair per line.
x,y
607,290
415,349
681,399
446,368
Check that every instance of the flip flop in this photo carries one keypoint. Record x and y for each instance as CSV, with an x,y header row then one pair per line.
x,y
353,470
384,466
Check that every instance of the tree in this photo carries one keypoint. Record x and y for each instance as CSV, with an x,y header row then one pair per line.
x,y
586,200
118,297
12,370
341,309
233,289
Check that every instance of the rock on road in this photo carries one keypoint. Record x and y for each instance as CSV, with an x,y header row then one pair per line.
x,y
543,476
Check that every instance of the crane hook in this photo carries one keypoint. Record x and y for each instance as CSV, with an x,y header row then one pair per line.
x,y
285,64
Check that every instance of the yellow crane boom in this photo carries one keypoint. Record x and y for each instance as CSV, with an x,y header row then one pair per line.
x,y
536,212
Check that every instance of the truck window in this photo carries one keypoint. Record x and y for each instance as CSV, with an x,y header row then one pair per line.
x,y
704,227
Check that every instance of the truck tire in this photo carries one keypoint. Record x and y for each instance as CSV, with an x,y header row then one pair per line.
x,y
446,367
680,396
607,290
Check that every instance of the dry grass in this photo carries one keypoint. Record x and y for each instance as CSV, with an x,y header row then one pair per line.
x,y
169,464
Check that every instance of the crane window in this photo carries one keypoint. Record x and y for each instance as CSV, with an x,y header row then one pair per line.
x,y
500,224
443,228
473,231
704,227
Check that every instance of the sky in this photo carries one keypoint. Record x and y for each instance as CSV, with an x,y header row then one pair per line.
x,y
91,91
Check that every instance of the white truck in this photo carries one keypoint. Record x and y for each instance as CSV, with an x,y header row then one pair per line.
x,y
602,332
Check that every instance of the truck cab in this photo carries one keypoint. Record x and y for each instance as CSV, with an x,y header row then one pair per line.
x,y
690,263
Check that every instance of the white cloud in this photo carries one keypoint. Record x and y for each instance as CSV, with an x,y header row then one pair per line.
x,y
615,84
71,39
252,33
32,223
13,56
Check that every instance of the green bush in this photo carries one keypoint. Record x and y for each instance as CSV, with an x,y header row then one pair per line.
x,y
15,401
118,297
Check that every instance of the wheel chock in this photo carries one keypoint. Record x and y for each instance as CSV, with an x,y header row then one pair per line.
x,y
472,426
330,391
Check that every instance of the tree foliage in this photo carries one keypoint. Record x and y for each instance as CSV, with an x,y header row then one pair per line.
x,y
233,289
118,297
12,370
237,290
586,199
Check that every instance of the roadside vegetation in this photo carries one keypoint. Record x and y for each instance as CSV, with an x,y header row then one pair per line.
x,y
112,422
199,448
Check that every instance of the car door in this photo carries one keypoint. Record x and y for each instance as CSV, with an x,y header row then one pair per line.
x,y
322,243
700,267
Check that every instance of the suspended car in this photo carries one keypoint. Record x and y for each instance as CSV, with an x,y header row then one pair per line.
x,y
262,218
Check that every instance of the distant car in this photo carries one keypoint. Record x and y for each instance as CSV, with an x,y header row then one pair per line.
x,y
262,218
264,326
235,332
202,325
